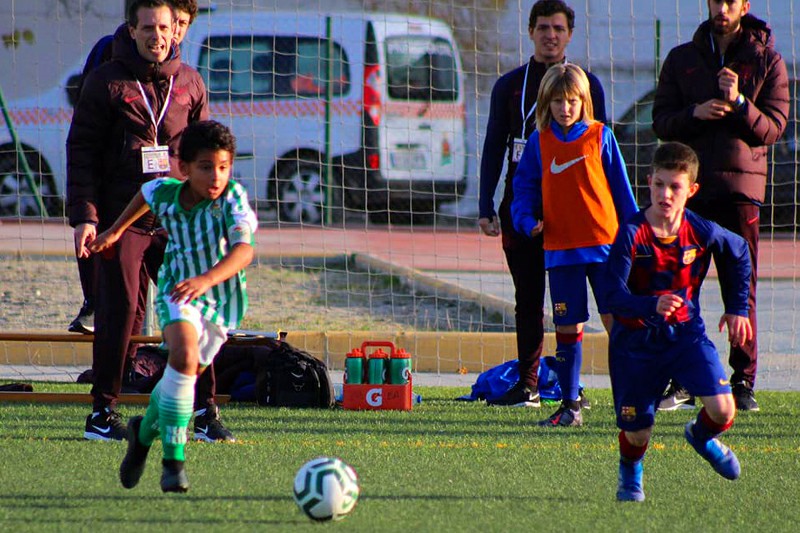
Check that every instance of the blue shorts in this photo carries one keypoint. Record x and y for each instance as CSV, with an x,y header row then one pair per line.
x,y
568,293
642,361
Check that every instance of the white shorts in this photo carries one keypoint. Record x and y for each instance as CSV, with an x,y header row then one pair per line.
x,y
210,336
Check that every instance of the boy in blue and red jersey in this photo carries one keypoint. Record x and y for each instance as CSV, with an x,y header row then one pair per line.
x,y
655,270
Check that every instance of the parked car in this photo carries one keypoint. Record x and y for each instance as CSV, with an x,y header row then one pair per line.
x,y
781,209
397,136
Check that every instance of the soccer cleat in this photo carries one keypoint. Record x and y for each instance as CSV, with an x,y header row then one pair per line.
x,y
84,322
563,417
629,488
519,395
208,427
105,425
132,467
173,476
676,397
744,397
721,458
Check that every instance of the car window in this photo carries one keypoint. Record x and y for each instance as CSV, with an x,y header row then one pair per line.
x,y
421,68
265,67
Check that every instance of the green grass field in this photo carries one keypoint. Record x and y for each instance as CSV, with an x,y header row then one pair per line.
x,y
445,466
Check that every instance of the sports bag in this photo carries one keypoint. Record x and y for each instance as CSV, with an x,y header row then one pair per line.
x,y
273,373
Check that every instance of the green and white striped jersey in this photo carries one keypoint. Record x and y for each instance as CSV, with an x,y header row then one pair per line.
x,y
199,239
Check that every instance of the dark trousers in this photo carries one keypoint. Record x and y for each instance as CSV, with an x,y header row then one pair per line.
x,y
741,218
525,258
120,303
87,271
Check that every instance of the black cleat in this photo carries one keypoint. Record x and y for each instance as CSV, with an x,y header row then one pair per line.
x,y
564,417
105,425
132,467
209,428
173,476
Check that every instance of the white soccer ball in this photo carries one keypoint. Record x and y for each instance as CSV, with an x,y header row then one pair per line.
x,y
326,488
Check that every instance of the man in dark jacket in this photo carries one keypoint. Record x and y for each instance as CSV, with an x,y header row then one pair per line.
x,y
125,132
726,94
511,121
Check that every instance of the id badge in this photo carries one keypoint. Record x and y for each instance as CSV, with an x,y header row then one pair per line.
x,y
155,159
519,147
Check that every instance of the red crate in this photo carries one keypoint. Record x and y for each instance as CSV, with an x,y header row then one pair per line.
x,y
375,397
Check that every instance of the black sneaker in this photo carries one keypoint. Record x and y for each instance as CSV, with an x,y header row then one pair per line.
x,y
563,417
744,397
105,425
132,467
173,476
208,427
84,322
676,397
519,395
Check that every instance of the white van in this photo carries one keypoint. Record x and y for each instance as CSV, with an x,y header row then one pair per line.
x,y
396,140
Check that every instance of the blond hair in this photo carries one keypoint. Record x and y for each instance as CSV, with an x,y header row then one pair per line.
x,y
563,80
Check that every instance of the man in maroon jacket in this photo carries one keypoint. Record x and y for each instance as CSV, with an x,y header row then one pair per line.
x,y
125,132
726,94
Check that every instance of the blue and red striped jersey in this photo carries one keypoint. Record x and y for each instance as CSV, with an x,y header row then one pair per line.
x,y
641,267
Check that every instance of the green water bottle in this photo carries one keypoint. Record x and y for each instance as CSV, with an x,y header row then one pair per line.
x,y
354,367
377,367
400,367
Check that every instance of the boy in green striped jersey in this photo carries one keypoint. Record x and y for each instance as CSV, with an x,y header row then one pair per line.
x,y
201,286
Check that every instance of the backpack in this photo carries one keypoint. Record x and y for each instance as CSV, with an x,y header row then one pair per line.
x,y
272,373
493,383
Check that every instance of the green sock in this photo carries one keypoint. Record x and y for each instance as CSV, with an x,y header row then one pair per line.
x,y
148,430
175,402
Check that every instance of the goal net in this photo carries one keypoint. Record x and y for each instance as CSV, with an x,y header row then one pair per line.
x,y
360,127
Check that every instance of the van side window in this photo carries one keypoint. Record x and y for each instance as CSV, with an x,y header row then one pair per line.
x,y
421,68
239,68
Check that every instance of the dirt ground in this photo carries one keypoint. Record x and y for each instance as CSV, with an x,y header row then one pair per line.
x,y
45,294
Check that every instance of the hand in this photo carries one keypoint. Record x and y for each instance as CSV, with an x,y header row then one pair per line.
x,y
667,304
537,229
728,84
83,235
489,227
189,289
713,109
103,242
740,331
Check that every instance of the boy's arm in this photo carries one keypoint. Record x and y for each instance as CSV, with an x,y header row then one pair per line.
x,y
732,258
234,261
526,208
135,209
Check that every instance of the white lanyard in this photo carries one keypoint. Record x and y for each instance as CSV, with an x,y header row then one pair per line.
x,y
155,122
525,117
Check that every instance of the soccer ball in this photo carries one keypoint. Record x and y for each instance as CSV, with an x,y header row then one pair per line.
x,y
326,488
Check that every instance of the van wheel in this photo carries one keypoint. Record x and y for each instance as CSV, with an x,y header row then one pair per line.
x,y
16,198
299,191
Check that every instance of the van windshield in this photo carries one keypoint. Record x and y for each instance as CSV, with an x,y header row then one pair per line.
x,y
421,68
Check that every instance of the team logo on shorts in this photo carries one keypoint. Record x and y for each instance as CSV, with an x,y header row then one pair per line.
x,y
560,308
628,413
689,256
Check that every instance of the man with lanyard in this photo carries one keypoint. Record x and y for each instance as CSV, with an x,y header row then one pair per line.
x,y
125,132
511,121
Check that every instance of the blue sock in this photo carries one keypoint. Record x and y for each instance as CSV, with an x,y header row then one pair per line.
x,y
569,357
